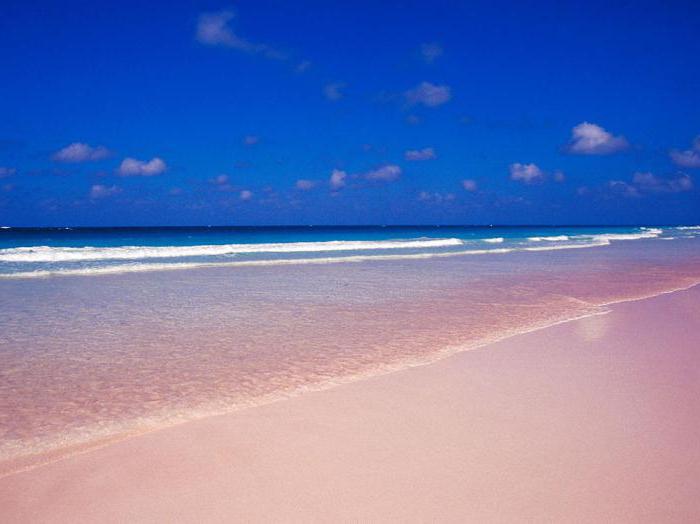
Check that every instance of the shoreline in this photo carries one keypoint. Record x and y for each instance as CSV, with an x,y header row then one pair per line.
x,y
303,404
43,458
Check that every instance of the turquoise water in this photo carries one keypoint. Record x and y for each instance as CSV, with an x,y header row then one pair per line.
x,y
27,253
184,236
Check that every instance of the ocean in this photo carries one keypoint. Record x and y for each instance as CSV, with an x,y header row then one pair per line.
x,y
106,333
30,252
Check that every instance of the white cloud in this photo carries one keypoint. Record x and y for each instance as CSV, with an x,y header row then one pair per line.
x,y
215,29
133,167
80,152
559,176
469,185
430,95
251,140
654,184
689,157
101,191
686,158
436,197
337,180
591,139
222,183
387,173
305,185
527,173
430,51
427,153
7,171
246,194
333,91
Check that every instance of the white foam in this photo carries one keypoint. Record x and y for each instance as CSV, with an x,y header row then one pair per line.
x,y
557,238
136,253
599,239
75,254
144,267
580,245
645,232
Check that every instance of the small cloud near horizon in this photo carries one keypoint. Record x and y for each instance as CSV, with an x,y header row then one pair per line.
x,y
98,191
222,183
337,179
387,173
134,167
429,95
417,155
80,152
689,158
526,173
435,197
592,139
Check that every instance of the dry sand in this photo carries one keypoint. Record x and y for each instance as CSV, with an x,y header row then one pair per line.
x,y
595,420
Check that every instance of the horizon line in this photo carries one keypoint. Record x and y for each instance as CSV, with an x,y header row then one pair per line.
x,y
338,226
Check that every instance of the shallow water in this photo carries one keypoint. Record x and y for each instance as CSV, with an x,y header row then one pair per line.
x,y
88,357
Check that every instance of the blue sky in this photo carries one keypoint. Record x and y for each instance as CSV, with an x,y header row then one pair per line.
x,y
260,112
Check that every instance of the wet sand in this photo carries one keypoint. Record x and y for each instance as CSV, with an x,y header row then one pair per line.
x,y
592,420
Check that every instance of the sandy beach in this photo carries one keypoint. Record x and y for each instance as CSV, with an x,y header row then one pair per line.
x,y
318,262
593,420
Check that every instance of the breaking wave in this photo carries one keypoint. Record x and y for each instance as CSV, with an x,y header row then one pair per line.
x,y
74,254
556,238
47,261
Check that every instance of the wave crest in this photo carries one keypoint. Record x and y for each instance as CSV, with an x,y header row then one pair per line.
x,y
77,254
556,238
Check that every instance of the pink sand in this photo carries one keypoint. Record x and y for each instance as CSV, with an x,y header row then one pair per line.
x,y
593,420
